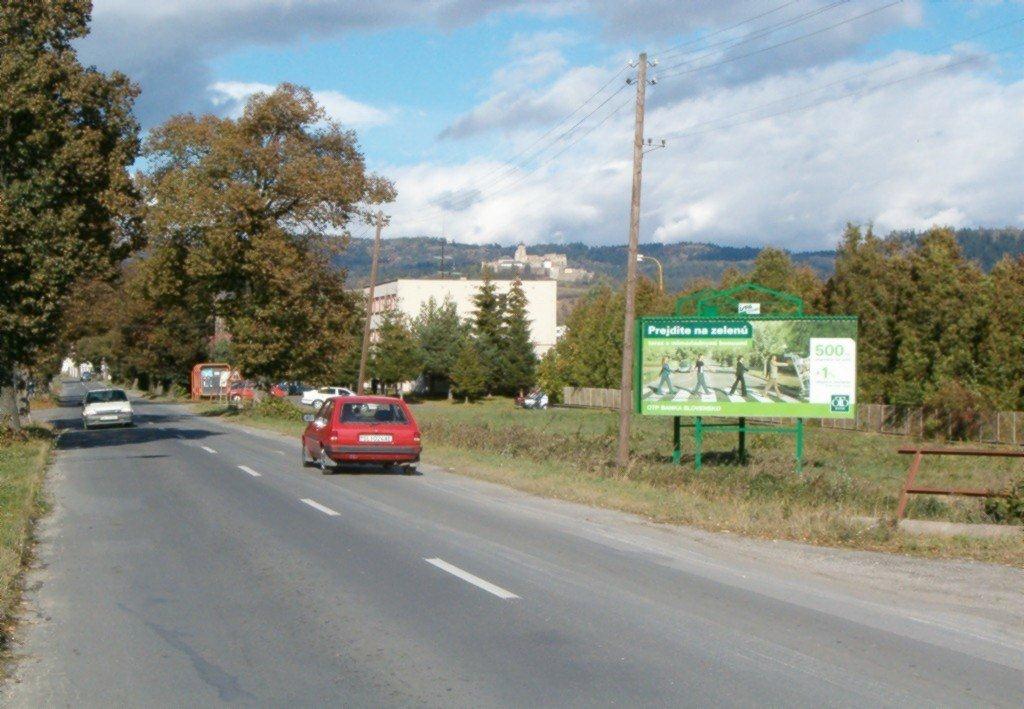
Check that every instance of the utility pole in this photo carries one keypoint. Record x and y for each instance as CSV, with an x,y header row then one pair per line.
x,y
379,218
626,390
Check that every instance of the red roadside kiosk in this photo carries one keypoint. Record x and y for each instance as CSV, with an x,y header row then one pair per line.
x,y
211,380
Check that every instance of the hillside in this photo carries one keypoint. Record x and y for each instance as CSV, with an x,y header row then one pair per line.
x,y
420,257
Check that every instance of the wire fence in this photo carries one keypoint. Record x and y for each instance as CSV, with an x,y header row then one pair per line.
x,y
920,422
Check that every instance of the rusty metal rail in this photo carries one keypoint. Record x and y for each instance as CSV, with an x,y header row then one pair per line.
x,y
915,465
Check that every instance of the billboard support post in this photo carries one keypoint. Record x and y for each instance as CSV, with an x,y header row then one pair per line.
x,y
800,446
677,442
741,444
779,362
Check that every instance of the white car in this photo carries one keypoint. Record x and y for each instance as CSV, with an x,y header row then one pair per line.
x,y
317,397
536,400
106,407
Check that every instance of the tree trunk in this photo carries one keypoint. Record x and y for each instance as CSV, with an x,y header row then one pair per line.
x,y
9,416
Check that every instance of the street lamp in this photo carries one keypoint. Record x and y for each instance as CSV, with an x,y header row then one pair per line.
x,y
640,258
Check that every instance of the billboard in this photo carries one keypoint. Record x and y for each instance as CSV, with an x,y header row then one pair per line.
x,y
785,366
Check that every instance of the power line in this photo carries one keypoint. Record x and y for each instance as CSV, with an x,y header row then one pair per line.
x,y
509,171
874,70
850,94
506,172
763,32
702,38
779,44
497,189
495,186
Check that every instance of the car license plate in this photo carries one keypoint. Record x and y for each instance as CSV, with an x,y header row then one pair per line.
x,y
375,438
108,418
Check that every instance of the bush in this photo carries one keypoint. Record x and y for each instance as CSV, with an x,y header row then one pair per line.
x,y
273,407
1008,509
955,411
176,391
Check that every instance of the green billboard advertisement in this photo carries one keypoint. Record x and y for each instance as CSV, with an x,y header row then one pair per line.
x,y
784,366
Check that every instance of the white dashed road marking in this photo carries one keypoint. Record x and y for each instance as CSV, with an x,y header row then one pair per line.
x,y
208,449
470,578
317,506
247,469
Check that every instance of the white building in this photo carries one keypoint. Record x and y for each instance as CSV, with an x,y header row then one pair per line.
x,y
409,295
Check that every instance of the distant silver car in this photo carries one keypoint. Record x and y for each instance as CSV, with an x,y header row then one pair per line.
x,y
317,397
106,407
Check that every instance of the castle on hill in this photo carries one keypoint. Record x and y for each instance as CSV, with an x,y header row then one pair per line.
x,y
554,266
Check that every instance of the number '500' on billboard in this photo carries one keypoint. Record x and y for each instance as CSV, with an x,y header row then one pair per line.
x,y
763,366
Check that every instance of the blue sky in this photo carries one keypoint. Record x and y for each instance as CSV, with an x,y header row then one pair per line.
x,y
440,93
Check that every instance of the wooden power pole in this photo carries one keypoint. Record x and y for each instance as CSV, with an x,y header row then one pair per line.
x,y
360,385
626,393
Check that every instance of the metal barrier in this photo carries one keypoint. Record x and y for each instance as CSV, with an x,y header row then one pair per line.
x,y
915,465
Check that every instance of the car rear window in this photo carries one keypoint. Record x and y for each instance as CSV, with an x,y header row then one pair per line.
x,y
372,413
104,396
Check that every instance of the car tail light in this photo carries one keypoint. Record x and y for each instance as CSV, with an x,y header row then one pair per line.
x,y
416,438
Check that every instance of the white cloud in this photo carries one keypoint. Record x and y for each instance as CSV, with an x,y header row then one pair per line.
x,y
230,97
943,148
746,54
168,45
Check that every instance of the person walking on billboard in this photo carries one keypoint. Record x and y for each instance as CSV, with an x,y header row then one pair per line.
x,y
772,382
665,380
702,382
740,382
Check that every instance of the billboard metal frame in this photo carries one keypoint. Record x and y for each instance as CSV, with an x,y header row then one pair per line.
x,y
707,304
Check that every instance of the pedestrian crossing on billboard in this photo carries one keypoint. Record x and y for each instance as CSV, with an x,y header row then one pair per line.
x,y
652,393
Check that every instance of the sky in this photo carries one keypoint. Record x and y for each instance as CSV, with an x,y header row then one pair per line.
x,y
512,120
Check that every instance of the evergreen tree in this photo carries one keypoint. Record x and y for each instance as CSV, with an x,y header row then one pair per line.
x,y
940,318
520,358
488,332
869,278
439,332
67,137
1001,357
396,356
469,378
775,269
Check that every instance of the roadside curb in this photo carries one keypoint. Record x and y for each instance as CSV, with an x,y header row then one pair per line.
x,y
936,528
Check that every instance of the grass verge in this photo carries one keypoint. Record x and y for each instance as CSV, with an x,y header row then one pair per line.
x,y
22,469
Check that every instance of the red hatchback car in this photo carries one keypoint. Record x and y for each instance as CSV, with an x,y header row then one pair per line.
x,y
361,429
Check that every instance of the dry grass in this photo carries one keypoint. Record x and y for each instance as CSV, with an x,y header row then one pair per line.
x,y
22,468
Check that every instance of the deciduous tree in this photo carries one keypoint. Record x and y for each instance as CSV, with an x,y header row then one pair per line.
x,y
67,137
260,203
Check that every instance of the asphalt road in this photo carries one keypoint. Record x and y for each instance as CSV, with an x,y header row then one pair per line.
x,y
187,562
